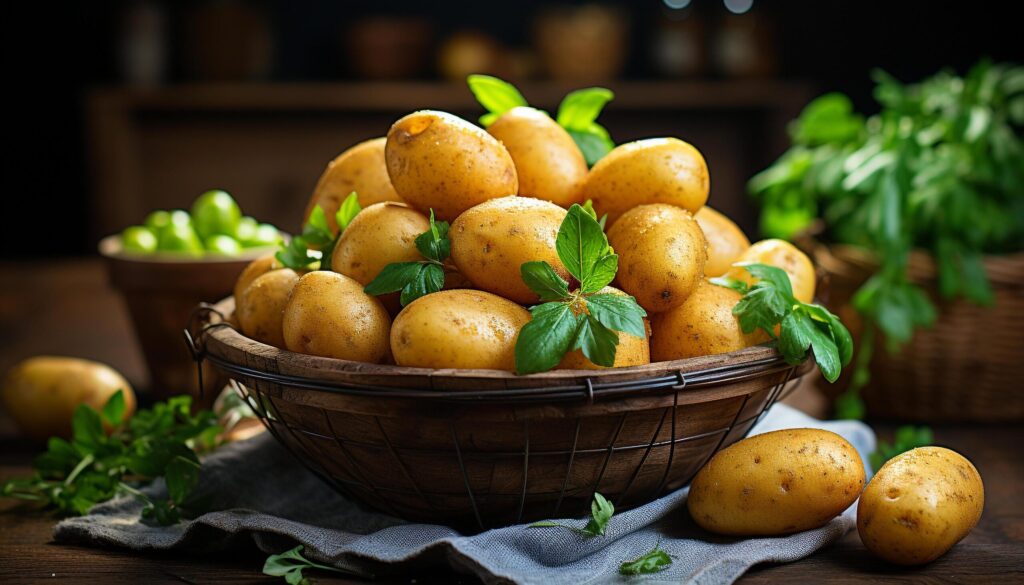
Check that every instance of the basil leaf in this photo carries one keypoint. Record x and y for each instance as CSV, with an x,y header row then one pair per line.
x,y
602,275
113,410
496,95
778,277
316,231
617,312
579,109
348,210
434,244
654,561
543,280
597,342
394,277
837,331
592,143
87,429
290,565
418,286
601,511
736,285
546,338
580,243
182,476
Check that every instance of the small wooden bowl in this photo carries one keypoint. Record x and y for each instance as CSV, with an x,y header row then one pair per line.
x,y
161,291
481,448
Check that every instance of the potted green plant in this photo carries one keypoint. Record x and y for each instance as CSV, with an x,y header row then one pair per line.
x,y
916,215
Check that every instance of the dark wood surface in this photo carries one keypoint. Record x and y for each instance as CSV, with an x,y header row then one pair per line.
x,y
66,307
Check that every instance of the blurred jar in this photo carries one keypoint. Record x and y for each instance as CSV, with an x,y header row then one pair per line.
x,y
143,44
228,40
582,44
745,46
389,47
471,51
678,44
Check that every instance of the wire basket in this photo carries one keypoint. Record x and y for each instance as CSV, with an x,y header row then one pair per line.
x,y
477,449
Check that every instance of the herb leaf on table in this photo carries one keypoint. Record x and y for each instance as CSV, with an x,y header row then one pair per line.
x,y
655,561
601,512
417,279
290,565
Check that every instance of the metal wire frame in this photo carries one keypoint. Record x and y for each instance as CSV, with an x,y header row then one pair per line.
x,y
361,487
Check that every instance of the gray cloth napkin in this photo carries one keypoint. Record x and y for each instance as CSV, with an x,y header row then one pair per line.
x,y
256,490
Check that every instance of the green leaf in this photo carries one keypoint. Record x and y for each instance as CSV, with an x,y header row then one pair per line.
x,y
496,95
731,283
87,429
839,333
580,243
113,410
849,405
907,438
348,210
654,561
597,342
394,277
546,338
602,274
601,511
542,279
777,277
618,312
182,475
579,109
434,244
594,144
429,279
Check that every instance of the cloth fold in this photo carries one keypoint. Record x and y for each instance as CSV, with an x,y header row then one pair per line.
x,y
256,491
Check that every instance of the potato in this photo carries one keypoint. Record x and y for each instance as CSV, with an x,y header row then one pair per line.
x,y
726,241
549,164
360,169
260,307
492,240
656,170
329,315
439,161
42,393
458,329
784,255
919,505
381,234
631,351
662,253
776,483
702,325
256,268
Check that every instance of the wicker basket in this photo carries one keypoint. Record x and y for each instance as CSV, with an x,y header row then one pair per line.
x,y
962,369
480,448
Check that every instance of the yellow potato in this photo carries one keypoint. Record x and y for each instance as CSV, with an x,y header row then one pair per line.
x,y
255,269
726,241
656,170
491,241
702,325
329,315
458,329
549,164
42,393
631,351
439,161
781,254
776,483
360,169
381,234
661,255
919,505
260,307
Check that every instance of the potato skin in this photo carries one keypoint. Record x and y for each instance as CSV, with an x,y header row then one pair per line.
x,y
42,393
381,234
361,169
491,241
919,505
439,161
702,325
662,253
784,255
458,329
726,241
260,307
776,483
631,351
255,269
329,315
549,164
655,170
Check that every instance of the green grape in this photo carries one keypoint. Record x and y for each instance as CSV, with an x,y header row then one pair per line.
x,y
266,235
247,227
215,212
157,219
179,237
225,245
138,238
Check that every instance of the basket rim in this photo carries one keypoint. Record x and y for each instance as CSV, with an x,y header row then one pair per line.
x,y
218,341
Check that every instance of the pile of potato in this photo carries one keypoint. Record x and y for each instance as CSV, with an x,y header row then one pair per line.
x,y
505,191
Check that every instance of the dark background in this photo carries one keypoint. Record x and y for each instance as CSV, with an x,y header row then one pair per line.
x,y
55,53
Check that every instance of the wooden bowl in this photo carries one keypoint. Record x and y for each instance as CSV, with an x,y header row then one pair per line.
x,y
481,448
161,291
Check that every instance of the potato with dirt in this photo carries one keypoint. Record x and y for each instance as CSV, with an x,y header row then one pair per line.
x,y
726,241
360,169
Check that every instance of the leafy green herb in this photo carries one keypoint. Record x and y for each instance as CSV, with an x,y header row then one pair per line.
x,y
653,562
907,438
802,326
317,241
290,565
588,206
582,319
601,511
577,113
73,476
416,279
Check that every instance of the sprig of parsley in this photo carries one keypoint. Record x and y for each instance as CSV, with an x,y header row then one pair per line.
x,y
581,319
802,326
907,438
73,476
417,279
601,511
577,113
317,241
290,565
655,561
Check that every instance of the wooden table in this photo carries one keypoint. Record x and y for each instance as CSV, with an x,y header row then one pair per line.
x,y
72,311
